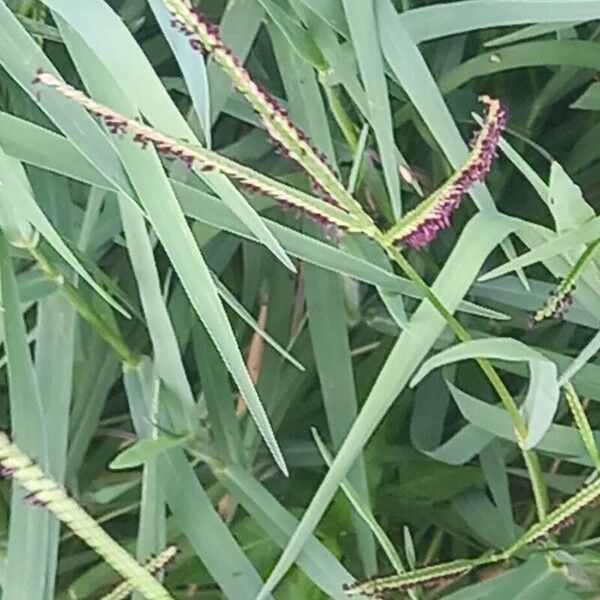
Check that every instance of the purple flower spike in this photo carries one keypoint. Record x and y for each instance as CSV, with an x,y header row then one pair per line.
x,y
204,160
421,225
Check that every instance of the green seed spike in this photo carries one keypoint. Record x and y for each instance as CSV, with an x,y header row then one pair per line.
x,y
44,491
559,518
582,424
434,575
318,209
562,297
153,565
563,516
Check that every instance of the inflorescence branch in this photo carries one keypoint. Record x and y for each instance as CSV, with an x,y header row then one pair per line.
x,y
323,213
153,565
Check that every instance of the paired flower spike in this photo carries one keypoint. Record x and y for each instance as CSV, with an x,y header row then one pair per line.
x,y
292,142
418,227
421,225
44,491
434,575
323,213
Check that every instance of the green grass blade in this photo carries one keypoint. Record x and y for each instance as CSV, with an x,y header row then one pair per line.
x,y
363,510
208,535
28,535
54,359
220,402
328,328
316,560
232,301
582,358
151,537
141,84
363,28
29,211
168,359
431,22
417,81
193,69
239,26
324,291
296,36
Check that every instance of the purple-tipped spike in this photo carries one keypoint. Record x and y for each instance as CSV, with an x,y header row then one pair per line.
x,y
423,224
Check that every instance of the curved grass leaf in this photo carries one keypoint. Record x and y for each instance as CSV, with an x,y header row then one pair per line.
x,y
542,397
431,22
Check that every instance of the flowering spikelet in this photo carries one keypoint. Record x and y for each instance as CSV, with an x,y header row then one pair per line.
x,y
321,212
153,565
422,224
44,491
291,141
559,300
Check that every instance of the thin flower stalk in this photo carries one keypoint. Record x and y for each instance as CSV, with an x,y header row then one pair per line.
x,y
561,298
44,491
422,225
153,565
322,212
204,36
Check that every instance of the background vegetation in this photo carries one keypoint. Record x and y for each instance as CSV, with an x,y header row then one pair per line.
x,y
121,374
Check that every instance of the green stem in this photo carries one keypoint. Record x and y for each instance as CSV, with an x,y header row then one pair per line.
x,y
342,118
531,460
93,318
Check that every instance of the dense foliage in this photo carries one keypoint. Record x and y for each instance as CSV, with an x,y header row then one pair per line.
x,y
299,299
